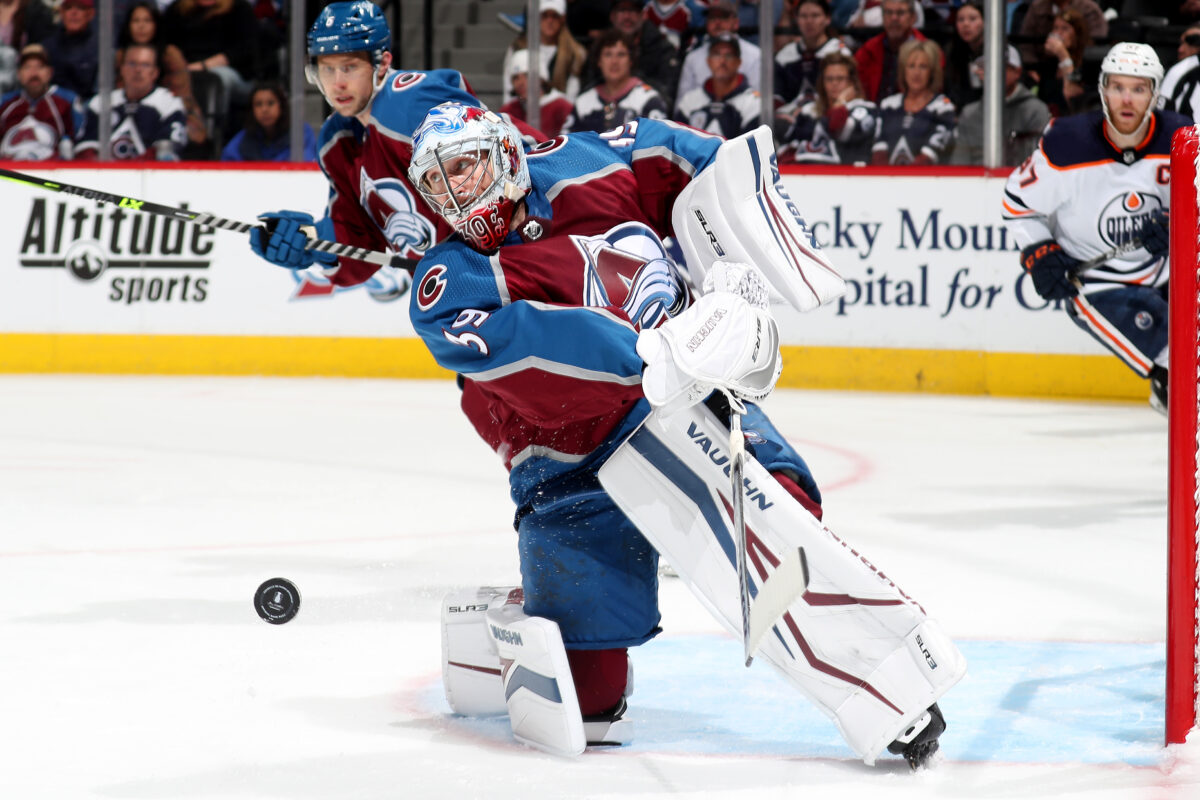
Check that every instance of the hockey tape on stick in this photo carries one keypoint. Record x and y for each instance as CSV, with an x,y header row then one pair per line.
x,y
787,583
202,218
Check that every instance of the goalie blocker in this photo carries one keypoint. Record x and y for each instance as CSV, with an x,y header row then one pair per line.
x,y
856,645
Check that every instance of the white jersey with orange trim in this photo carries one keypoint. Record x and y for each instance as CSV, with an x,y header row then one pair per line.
x,y
1090,196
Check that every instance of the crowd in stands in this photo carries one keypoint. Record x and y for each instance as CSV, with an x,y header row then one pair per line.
x,y
855,81
169,55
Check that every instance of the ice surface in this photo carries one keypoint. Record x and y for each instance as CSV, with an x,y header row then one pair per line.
x,y
138,515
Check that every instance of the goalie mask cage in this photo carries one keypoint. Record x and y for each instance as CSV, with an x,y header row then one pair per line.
x,y
1183,519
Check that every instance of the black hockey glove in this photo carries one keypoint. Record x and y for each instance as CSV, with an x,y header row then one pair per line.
x,y
1155,235
1050,269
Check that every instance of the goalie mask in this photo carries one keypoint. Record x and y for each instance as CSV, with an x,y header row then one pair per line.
x,y
469,166
1136,61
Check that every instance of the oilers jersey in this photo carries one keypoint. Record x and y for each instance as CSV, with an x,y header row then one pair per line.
x,y
551,379
1090,196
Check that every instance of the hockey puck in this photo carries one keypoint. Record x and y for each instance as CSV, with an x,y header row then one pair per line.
x,y
277,600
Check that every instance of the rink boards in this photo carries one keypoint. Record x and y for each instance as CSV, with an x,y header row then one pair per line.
x,y
936,300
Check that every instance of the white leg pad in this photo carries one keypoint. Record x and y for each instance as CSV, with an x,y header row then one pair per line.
x,y
470,664
856,645
737,210
542,705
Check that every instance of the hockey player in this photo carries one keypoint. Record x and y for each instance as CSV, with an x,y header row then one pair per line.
x,y
557,305
364,149
1090,209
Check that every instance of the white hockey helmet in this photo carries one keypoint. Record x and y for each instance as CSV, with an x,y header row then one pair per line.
x,y
469,166
1135,60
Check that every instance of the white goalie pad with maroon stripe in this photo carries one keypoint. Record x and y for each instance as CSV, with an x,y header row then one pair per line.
x,y
737,210
853,642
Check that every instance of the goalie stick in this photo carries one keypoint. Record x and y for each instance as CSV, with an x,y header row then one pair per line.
x,y
203,218
789,580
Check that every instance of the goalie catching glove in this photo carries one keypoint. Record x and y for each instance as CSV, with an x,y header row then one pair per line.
x,y
722,341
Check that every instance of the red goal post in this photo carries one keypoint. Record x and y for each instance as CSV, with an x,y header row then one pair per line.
x,y
1183,511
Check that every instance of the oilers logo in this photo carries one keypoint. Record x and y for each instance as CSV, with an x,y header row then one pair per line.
x,y
1124,216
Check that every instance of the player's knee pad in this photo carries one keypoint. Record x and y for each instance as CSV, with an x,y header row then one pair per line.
x,y
737,210
538,690
853,642
470,665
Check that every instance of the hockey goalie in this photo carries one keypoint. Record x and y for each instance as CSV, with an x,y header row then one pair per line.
x,y
607,378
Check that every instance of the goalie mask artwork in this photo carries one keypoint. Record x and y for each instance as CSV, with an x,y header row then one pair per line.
x,y
469,166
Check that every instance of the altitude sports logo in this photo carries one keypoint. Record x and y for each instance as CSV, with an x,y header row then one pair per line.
x,y
145,258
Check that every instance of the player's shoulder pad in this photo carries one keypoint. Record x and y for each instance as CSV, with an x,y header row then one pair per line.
x,y
1077,139
406,97
1166,123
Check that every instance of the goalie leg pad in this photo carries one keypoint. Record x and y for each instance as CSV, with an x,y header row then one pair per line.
x,y
470,665
737,210
853,643
542,705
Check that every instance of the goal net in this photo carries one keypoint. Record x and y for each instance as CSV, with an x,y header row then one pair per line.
x,y
1183,512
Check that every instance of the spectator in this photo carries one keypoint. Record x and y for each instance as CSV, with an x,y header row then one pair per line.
x,y
143,25
1022,120
725,104
21,22
217,36
587,18
877,57
267,135
562,56
720,19
963,83
621,97
1179,87
797,64
553,105
839,125
1039,22
747,11
673,18
38,121
655,59
915,126
148,121
869,14
1060,81
73,48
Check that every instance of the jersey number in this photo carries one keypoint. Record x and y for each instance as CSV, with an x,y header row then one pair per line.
x,y
622,136
1028,165
472,318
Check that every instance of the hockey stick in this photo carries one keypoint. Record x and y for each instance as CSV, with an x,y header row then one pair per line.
x,y
737,453
202,218
1084,266
789,580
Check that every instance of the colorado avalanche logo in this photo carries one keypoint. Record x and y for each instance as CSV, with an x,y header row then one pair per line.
x,y
431,288
406,80
1124,216
444,120
391,206
629,267
29,140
